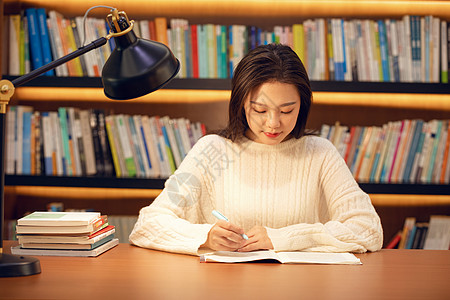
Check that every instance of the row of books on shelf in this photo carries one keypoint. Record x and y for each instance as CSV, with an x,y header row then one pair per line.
x,y
431,235
406,151
64,234
88,142
410,49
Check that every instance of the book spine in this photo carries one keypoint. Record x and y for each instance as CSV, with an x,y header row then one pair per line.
x,y
34,38
125,146
109,122
62,114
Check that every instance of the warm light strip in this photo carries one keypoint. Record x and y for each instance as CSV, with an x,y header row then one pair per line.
x,y
409,200
96,94
254,8
389,100
60,192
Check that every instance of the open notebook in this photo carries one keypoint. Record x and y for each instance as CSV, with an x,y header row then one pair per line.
x,y
282,257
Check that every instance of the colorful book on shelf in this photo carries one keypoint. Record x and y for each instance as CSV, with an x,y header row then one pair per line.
x,y
24,46
161,146
194,50
71,47
77,139
21,112
420,234
426,152
438,235
59,163
169,151
404,153
14,42
142,142
73,142
88,146
26,143
188,50
97,146
443,177
418,152
11,140
78,44
17,250
62,114
90,61
151,146
137,153
433,151
38,147
125,144
438,160
108,168
113,141
401,150
378,153
161,30
49,154
407,228
396,150
37,59
394,242
444,51
202,46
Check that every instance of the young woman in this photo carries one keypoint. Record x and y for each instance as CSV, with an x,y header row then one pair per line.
x,y
283,189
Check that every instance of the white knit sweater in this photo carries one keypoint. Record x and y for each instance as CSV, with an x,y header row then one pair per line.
x,y
301,190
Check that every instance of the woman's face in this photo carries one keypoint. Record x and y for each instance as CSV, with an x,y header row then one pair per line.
x,y
271,111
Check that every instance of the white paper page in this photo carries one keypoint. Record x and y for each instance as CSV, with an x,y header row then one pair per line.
x,y
318,258
233,257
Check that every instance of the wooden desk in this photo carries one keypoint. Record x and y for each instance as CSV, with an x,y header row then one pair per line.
x,y
128,272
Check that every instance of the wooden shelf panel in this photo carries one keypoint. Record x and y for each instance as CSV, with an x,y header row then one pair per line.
x,y
371,94
58,193
225,84
84,182
250,9
158,184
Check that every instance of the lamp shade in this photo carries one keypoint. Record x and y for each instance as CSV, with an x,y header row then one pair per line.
x,y
137,67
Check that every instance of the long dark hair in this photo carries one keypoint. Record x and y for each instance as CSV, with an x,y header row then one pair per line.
x,y
273,62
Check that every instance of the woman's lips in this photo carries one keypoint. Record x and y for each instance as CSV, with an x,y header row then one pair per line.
x,y
272,135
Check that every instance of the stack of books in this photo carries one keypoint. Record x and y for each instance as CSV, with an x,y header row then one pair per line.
x,y
64,234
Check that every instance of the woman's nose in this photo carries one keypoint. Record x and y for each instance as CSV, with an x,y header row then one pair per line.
x,y
273,120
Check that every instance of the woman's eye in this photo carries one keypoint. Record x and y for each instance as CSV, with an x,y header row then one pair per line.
x,y
259,111
287,112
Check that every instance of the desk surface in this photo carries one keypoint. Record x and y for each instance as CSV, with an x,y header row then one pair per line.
x,y
128,272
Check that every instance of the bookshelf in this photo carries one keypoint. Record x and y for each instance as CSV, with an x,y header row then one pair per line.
x,y
205,100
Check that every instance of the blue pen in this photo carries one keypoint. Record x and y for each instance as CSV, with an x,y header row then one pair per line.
x,y
219,216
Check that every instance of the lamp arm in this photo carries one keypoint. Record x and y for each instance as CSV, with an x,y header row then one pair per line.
x,y
56,63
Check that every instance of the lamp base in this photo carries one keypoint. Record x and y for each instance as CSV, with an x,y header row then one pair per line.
x,y
17,265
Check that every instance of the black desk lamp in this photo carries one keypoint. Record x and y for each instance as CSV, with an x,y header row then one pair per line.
x,y
135,68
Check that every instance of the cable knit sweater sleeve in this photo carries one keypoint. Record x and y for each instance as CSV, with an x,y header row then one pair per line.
x,y
352,224
174,221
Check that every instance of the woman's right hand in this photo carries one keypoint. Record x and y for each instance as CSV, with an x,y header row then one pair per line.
x,y
225,236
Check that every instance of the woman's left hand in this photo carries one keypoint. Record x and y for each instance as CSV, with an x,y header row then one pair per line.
x,y
257,240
